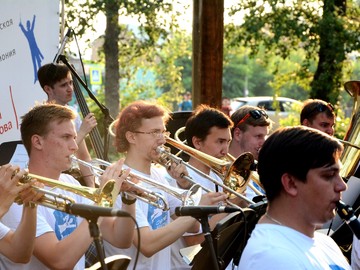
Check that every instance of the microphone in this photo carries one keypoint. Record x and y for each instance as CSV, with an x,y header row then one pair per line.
x,y
91,211
347,213
201,211
62,46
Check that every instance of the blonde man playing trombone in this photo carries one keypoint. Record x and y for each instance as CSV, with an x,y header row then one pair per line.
x,y
49,136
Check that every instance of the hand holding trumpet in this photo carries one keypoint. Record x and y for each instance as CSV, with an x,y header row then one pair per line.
x,y
11,191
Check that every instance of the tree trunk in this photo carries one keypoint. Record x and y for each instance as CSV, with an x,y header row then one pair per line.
x,y
327,78
208,32
111,51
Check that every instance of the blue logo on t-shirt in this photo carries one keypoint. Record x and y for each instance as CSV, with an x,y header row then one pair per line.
x,y
65,224
156,217
336,267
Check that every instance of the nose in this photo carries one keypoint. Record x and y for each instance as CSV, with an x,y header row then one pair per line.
x,y
73,146
330,131
340,185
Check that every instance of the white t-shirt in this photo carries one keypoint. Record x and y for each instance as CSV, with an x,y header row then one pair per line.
x,y
3,230
177,262
48,220
355,253
149,216
278,247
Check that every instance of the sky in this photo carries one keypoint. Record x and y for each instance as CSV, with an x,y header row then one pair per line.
x,y
100,24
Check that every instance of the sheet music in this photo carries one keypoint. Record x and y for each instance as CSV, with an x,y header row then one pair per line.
x,y
20,157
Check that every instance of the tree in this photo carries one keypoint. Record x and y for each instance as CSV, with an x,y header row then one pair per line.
x,y
326,31
153,30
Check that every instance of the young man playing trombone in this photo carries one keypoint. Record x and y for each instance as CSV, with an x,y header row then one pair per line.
x,y
139,131
49,136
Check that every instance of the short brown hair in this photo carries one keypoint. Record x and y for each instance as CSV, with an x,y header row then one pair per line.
x,y
49,74
38,119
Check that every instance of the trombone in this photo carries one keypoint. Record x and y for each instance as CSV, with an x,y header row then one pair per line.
x,y
189,197
105,196
239,171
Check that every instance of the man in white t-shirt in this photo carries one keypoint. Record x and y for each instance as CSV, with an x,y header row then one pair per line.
x,y
17,245
208,130
302,188
49,136
57,82
251,127
139,131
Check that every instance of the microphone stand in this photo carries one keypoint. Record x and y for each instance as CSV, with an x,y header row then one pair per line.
x,y
208,239
95,234
104,110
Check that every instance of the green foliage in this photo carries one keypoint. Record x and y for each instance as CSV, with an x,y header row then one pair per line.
x,y
321,29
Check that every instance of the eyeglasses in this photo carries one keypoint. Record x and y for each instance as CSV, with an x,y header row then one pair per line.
x,y
156,133
256,114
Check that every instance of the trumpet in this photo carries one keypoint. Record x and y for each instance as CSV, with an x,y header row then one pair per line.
x,y
189,197
237,172
104,197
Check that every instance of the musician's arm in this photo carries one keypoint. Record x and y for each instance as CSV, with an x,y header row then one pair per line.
x,y
86,172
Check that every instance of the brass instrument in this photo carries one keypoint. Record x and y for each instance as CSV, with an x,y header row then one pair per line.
x,y
351,155
235,175
166,158
104,197
188,197
254,175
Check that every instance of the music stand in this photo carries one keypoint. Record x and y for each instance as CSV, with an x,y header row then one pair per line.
x,y
229,238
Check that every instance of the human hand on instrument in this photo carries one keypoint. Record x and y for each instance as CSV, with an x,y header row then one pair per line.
x,y
10,189
116,173
88,123
178,171
213,198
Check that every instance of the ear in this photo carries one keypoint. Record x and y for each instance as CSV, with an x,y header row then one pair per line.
x,y
37,142
289,184
130,136
196,142
47,89
306,122
237,134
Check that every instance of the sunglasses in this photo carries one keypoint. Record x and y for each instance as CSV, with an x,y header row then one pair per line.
x,y
256,114
321,108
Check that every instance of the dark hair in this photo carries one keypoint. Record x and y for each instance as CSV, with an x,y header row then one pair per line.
x,y
38,119
129,119
242,112
202,120
294,150
312,107
49,74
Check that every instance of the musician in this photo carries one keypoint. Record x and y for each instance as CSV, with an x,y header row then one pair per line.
x,y
49,136
302,188
318,114
207,130
140,129
57,82
17,245
251,127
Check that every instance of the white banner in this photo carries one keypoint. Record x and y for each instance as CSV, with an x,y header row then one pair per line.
x,y
29,34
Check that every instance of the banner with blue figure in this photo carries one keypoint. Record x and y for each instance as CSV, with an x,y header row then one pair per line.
x,y
29,34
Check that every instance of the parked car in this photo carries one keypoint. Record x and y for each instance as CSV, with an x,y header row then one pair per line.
x,y
267,103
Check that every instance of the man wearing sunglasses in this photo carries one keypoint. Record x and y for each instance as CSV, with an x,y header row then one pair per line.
x,y
318,114
251,126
